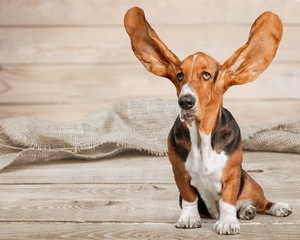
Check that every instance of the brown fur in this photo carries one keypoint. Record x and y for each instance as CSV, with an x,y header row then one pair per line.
x,y
181,176
231,177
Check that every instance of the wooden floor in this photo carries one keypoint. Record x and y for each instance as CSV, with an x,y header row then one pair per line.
x,y
132,196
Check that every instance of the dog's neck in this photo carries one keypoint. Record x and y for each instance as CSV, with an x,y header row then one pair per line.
x,y
210,118
211,121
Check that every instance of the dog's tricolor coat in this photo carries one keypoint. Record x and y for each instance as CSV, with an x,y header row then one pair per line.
x,y
204,145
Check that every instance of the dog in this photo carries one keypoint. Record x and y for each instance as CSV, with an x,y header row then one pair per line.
x,y
204,144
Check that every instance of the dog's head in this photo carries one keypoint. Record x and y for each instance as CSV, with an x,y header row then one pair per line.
x,y
199,79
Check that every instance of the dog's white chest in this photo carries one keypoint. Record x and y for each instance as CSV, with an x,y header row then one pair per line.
x,y
205,167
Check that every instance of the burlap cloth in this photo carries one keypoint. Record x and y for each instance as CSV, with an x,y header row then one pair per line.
x,y
139,124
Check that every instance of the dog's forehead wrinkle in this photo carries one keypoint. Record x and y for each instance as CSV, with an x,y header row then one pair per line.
x,y
198,62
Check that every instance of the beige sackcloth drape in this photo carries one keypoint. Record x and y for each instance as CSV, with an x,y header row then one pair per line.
x,y
136,124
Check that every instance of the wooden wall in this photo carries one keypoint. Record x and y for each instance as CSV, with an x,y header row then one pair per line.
x,y
62,59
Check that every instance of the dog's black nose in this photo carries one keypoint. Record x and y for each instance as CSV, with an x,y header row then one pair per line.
x,y
186,101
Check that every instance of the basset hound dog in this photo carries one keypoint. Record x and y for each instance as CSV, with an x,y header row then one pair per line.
x,y
204,144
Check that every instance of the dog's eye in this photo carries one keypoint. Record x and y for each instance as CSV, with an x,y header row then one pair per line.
x,y
180,76
206,76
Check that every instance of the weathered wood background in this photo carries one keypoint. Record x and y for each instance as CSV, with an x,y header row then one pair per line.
x,y
62,59
130,197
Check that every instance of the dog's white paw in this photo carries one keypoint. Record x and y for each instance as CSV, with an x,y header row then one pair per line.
x,y
228,223
280,209
227,228
189,217
189,222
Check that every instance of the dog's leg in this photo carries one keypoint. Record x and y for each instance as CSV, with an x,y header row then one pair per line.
x,y
228,222
253,194
190,217
178,149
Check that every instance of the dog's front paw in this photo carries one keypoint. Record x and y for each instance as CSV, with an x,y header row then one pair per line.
x,y
189,217
227,228
228,223
189,222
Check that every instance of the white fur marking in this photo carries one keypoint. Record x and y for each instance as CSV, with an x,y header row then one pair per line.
x,y
228,223
193,64
186,90
280,209
186,87
205,167
189,217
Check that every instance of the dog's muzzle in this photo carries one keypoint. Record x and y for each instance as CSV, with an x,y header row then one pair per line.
x,y
187,112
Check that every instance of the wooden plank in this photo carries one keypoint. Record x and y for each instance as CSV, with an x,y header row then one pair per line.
x,y
251,113
50,112
77,210
112,194
113,210
111,45
79,84
94,12
245,113
113,170
141,231
109,203
105,83
89,192
131,169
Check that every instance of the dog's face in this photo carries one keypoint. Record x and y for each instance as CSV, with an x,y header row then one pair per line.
x,y
197,87
200,81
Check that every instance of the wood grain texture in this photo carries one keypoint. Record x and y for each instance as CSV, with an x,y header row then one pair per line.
x,y
108,194
112,170
142,231
108,203
245,112
105,83
145,206
105,45
61,60
158,170
251,113
67,207
95,12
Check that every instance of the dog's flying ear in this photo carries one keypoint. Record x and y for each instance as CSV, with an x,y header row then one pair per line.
x,y
249,61
148,47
